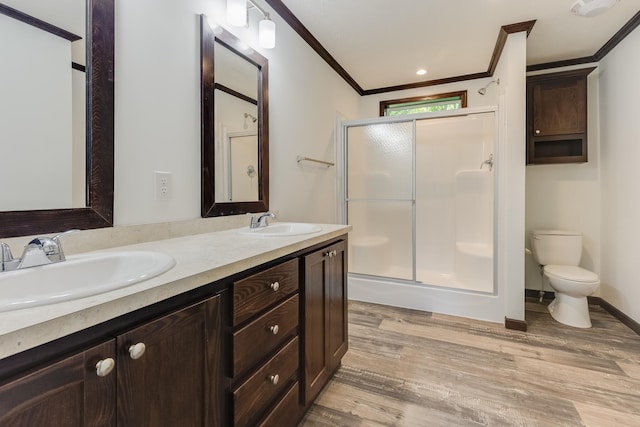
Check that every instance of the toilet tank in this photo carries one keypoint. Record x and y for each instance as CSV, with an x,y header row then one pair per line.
x,y
559,247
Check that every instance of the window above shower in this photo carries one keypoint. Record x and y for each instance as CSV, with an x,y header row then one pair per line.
x,y
424,104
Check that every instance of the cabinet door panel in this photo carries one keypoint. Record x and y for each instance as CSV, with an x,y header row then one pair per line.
x,y
337,304
559,107
66,393
175,381
316,361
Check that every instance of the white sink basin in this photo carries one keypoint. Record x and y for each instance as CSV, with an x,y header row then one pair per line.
x,y
282,229
79,276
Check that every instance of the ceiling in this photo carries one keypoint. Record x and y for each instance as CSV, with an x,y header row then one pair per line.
x,y
381,43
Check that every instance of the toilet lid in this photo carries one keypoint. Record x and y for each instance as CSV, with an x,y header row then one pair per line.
x,y
571,272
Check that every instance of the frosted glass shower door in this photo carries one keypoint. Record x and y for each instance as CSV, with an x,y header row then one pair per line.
x,y
380,199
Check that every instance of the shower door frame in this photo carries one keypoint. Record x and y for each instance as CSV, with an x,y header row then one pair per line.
x,y
490,299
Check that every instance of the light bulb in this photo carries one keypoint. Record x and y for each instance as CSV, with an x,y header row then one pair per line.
x,y
267,33
237,12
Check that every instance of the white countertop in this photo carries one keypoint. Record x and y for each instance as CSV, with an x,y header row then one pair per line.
x,y
200,259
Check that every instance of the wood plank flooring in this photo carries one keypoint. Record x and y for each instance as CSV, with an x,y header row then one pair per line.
x,y
411,368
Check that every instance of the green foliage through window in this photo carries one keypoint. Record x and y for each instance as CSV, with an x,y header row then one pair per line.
x,y
424,106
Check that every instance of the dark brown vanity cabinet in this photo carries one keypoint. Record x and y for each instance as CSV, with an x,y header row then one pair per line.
x,y
169,369
165,370
265,372
557,117
325,316
199,358
67,393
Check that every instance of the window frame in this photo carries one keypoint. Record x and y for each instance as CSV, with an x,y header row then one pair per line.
x,y
462,94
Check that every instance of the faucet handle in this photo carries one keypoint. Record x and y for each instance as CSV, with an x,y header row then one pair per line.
x,y
6,253
51,246
64,233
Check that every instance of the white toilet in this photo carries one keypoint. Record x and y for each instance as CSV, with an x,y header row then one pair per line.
x,y
560,252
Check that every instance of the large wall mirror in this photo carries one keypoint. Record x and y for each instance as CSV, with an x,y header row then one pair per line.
x,y
56,115
235,125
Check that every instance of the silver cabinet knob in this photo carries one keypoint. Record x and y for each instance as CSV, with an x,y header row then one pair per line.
x,y
335,253
137,350
105,366
274,379
275,286
274,329
537,131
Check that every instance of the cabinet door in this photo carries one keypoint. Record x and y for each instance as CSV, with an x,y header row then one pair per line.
x,y
559,107
325,315
336,299
316,325
176,380
68,393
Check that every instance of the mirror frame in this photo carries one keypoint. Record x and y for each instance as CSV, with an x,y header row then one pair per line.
x,y
208,39
99,124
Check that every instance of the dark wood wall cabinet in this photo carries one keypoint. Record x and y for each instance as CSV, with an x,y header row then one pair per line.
x,y
557,117
251,350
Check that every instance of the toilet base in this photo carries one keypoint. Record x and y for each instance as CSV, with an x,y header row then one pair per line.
x,y
570,310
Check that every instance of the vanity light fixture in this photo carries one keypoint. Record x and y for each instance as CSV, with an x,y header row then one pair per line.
x,y
421,72
237,14
267,33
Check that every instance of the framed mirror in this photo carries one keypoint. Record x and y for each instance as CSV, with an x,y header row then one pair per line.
x,y
97,209
235,125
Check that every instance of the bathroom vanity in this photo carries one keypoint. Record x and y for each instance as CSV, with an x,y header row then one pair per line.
x,y
248,340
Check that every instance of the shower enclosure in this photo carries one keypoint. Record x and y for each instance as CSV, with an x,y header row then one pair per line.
x,y
419,194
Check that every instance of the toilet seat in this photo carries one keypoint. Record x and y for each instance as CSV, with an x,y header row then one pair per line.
x,y
571,273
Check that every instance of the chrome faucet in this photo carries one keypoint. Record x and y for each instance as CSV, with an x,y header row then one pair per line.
x,y
489,162
40,251
7,261
262,220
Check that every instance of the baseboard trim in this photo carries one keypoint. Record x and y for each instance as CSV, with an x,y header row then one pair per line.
x,y
533,293
514,324
626,320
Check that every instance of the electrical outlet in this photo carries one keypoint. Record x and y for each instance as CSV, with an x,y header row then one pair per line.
x,y
164,189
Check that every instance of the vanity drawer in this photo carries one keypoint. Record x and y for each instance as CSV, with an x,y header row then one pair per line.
x,y
286,411
257,292
262,388
255,341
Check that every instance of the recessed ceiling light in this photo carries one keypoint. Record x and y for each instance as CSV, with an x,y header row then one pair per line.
x,y
421,72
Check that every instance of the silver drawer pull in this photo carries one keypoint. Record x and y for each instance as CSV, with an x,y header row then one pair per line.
x,y
105,366
275,286
274,379
334,252
274,329
137,350
328,254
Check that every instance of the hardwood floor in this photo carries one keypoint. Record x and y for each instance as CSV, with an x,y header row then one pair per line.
x,y
411,368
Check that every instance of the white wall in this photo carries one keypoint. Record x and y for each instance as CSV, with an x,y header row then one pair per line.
x,y
511,174
370,104
567,196
157,113
620,151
